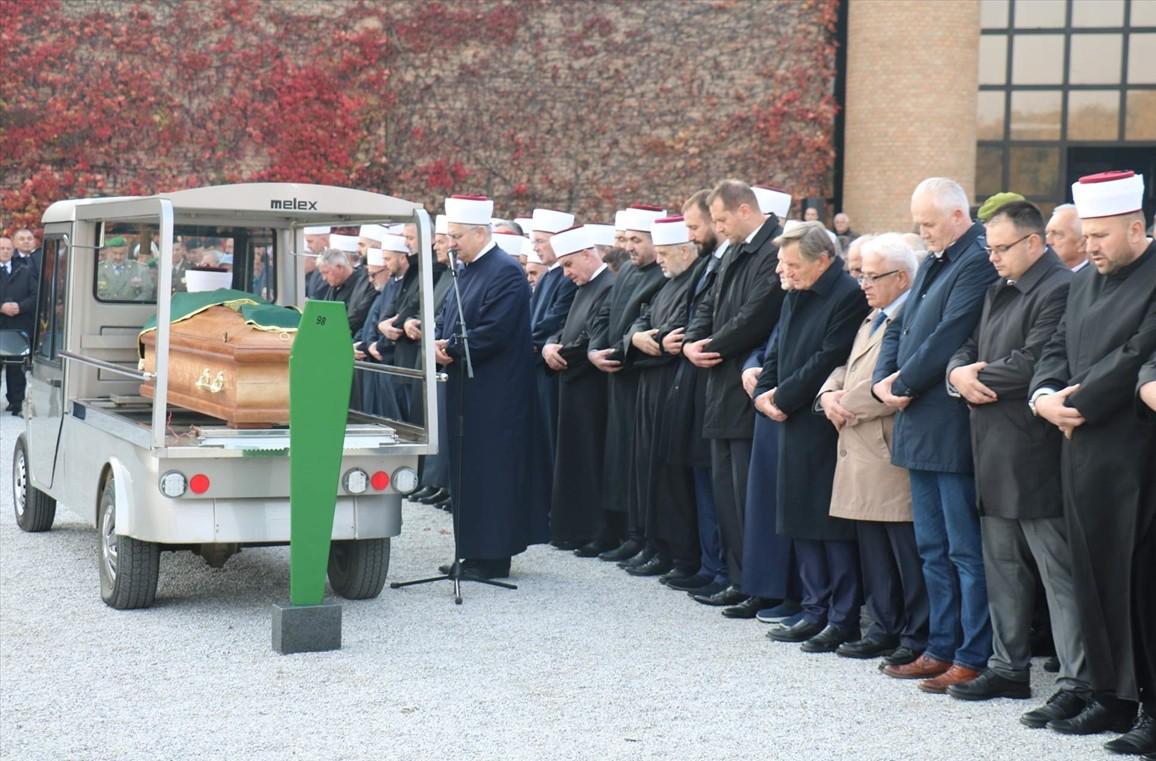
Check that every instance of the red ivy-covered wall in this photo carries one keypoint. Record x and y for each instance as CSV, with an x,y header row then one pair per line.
x,y
584,106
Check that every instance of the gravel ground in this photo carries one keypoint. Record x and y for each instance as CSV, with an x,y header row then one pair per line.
x,y
581,662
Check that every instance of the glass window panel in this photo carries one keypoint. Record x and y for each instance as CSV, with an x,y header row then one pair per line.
x,y
1035,115
1140,120
1143,13
1093,114
1098,13
1142,59
988,171
989,115
1034,170
993,59
1038,59
1038,14
1095,59
993,14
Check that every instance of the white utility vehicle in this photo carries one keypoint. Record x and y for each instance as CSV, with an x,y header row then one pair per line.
x,y
153,476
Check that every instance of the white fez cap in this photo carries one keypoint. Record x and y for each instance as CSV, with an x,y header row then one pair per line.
x,y
395,243
1108,194
469,210
529,252
773,201
641,217
398,229
550,221
571,241
347,243
620,218
441,226
322,230
373,232
525,223
600,235
374,257
669,231
510,243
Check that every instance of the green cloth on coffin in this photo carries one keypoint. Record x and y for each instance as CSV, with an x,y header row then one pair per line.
x,y
258,313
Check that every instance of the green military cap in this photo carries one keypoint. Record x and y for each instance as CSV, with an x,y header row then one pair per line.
x,y
115,242
995,203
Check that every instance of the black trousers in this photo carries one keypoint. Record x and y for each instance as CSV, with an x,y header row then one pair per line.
x,y
893,588
15,383
730,461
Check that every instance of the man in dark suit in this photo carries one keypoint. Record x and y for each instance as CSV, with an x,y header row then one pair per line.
x,y
931,435
577,483
17,305
26,248
735,318
1017,481
820,317
1084,385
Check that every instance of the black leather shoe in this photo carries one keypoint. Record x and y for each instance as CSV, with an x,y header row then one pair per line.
x,y
656,566
422,493
729,596
869,647
566,546
643,556
1064,704
17,411
447,505
1140,739
748,608
677,574
9,407
591,550
624,551
709,590
438,495
990,685
799,632
1052,664
901,656
828,640
1104,714
693,583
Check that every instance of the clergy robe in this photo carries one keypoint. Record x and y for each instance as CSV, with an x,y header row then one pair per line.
x,y
577,485
664,493
549,306
377,395
496,512
1144,558
406,353
633,288
1106,334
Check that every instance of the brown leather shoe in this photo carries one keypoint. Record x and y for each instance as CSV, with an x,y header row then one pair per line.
x,y
922,667
954,675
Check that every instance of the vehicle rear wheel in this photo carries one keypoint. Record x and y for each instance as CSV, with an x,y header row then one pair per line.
x,y
35,510
129,568
357,568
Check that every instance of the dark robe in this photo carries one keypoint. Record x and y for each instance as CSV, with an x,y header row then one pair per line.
x,y
357,293
404,352
1143,573
664,492
549,306
633,288
577,486
1105,336
377,394
496,512
687,402
816,330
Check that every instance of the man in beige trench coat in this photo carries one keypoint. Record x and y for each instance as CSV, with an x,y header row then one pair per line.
x,y
868,489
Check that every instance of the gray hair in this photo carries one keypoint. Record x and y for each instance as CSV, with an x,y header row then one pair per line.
x,y
1077,224
947,194
894,251
813,240
917,246
335,256
858,242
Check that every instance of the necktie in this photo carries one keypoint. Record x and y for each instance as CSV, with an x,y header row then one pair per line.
x,y
879,320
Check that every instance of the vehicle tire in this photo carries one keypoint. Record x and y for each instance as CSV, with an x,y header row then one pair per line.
x,y
357,568
35,510
129,568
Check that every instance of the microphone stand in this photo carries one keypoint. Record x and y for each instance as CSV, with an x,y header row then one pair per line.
x,y
455,572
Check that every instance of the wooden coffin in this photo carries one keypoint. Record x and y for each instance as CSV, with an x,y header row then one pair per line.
x,y
222,367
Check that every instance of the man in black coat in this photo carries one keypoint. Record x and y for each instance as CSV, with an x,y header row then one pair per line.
x,y
349,285
636,283
820,317
1144,599
729,324
18,281
664,490
1017,481
1084,385
577,482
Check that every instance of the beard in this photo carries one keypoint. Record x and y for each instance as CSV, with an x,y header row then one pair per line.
x,y
614,257
707,247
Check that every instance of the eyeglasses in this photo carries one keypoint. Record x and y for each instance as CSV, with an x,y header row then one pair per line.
x,y
872,279
1001,250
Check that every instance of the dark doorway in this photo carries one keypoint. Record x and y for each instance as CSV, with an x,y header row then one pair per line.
x,y
1141,159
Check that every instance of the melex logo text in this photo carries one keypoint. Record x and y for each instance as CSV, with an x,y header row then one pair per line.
x,y
293,204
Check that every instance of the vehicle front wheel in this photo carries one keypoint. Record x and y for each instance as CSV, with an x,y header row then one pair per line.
x,y
35,510
357,568
129,568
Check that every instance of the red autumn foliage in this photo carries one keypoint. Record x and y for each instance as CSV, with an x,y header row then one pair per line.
x,y
585,106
